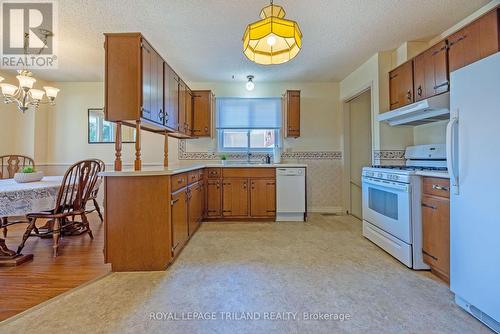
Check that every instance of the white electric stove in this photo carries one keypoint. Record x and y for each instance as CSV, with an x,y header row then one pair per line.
x,y
391,203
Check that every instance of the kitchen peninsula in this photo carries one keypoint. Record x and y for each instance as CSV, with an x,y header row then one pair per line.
x,y
151,214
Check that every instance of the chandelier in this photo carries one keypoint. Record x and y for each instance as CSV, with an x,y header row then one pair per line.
x,y
24,95
273,39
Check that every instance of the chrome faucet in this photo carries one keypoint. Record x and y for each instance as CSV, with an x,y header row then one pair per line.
x,y
249,155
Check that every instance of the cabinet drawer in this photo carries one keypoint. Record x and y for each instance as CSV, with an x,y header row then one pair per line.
x,y
249,172
178,181
193,176
214,173
436,186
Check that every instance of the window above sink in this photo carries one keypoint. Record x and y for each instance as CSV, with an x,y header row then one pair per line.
x,y
248,124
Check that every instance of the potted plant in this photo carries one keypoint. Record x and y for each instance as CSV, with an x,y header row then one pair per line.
x,y
28,174
223,158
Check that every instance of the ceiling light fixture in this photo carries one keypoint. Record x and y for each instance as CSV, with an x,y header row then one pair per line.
x,y
273,39
250,85
24,95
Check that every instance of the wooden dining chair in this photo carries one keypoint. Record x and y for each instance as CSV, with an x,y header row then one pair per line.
x,y
13,163
93,194
10,165
78,183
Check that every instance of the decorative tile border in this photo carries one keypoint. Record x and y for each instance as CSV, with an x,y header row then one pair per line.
x,y
389,155
314,155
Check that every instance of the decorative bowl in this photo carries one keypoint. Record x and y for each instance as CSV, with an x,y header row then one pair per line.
x,y
28,177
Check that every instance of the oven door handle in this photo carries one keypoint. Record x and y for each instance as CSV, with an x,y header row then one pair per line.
x,y
402,187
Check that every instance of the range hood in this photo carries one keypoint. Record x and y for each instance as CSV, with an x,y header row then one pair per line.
x,y
433,109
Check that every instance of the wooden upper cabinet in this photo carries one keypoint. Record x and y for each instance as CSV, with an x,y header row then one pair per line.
x,y
401,85
431,72
189,111
214,198
235,197
152,84
203,108
475,41
171,94
182,106
291,113
262,197
139,85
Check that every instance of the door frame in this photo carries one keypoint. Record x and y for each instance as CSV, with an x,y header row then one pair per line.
x,y
346,140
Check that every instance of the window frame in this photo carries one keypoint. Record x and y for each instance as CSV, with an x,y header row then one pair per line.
x,y
112,128
220,131
222,149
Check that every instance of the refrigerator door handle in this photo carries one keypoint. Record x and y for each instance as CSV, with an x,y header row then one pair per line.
x,y
450,152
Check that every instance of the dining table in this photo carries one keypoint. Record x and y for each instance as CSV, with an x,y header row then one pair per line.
x,y
20,199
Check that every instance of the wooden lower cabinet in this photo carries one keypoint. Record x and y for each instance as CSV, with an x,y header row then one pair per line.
x,y
263,197
150,218
235,198
195,207
214,198
436,227
137,229
179,219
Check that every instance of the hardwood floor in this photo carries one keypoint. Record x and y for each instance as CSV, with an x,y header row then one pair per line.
x,y
80,260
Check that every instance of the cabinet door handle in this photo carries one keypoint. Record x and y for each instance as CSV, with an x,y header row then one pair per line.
x,y
438,187
419,90
445,83
174,201
429,206
408,95
179,181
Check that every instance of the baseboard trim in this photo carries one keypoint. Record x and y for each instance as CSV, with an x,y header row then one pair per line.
x,y
326,209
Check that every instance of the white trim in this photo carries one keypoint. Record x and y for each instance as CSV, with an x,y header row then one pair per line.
x,y
345,109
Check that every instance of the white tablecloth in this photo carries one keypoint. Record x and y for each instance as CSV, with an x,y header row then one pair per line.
x,y
19,199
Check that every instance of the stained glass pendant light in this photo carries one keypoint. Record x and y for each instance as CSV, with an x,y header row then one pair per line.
x,y
273,39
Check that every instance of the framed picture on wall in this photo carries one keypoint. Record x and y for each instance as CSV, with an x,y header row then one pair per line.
x,y
101,131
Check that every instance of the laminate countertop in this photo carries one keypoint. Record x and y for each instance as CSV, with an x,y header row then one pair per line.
x,y
434,173
177,169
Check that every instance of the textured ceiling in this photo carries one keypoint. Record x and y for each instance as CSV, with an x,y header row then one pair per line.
x,y
201,39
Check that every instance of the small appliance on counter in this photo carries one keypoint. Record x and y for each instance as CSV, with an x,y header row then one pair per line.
x,y
276,155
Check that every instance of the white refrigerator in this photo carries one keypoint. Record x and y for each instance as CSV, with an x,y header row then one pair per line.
x,y
473,140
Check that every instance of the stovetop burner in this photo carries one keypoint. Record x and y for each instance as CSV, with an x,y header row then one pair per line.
x,y
415,168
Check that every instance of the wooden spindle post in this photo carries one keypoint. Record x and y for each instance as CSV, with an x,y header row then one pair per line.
x,y
137,162
165,150
118,147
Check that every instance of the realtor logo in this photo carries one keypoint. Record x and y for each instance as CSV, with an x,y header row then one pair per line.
x,y
29,34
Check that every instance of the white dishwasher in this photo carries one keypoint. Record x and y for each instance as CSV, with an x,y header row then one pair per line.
x,y
290,194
